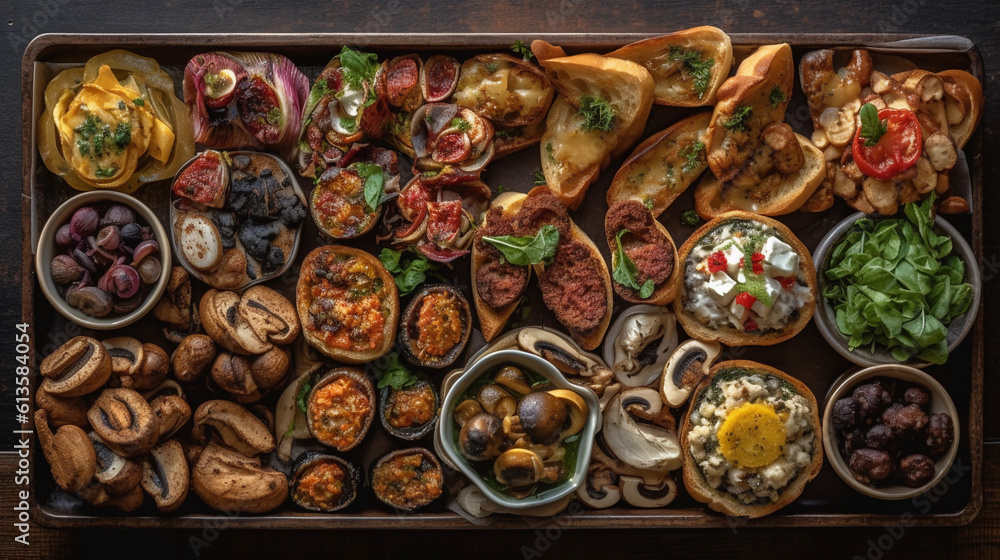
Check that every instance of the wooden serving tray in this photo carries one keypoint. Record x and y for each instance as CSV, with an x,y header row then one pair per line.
x,y
826,501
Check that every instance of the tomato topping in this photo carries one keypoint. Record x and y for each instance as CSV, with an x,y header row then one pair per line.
x,y
400,80
444,221
746,299
786,281
756,265
750,325
452,148
260,110
898,148
203,181
717,262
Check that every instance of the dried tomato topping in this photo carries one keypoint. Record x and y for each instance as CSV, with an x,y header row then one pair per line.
x,y
717,262
787,282
746,299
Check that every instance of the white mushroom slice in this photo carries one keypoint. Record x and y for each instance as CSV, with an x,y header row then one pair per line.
x,y
639,344
820,139
200,242
941,151
927,177
641,445
882,195
838,125
472,500
879,82
598,489
638,494
688,365
581,368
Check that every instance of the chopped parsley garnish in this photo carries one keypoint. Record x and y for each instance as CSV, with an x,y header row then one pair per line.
x,y
597,114
358,67
139,101
522,49
693,156
89,126
348,124
777,97
739,119
123,135
461,124
395,374
539,177
507,133
648,203
548,150
492,67
700,71
690,218
121,105
106,172
409,268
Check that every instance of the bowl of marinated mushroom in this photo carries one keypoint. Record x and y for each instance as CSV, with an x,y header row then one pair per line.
x,y
516,428
891,431
103,259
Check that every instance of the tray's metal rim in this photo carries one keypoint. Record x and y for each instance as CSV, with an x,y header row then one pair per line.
x,y
587,519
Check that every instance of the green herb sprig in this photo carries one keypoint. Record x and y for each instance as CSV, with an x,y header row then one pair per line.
x,y
528,250
626,272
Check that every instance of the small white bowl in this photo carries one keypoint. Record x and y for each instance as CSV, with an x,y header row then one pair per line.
x,y
940,402
46,251
826,317
447,429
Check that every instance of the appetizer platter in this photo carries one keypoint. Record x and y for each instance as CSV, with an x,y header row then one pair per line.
x,y
571,275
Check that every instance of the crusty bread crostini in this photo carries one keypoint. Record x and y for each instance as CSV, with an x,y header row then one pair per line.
x,y
705,309
592,339
600,112
664,165
773,194
688,66
492,321
747,103
806,468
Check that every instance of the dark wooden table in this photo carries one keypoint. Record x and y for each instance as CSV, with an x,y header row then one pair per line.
x,y
24,19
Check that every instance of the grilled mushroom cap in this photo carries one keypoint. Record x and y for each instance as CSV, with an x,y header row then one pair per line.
x,y
70,455
229,481
313,495
232,425
409,330
480,438
165,475
76,368
428,477
124,421
317,413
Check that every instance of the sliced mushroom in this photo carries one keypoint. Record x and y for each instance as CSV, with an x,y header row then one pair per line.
x,y
76,368
118,474
271,316
69,453
62,411
126,355
882,195
472,500
193,358
229,481
941,151
513,378
642,445
466,410
172,413
581,368
688,365
639,494
222,320
232,425
599,490
231,372
124,421
639,344
496,401
175,307
165,475
97,494
290,421
576,412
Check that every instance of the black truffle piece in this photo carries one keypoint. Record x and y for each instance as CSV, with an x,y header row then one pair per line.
x,y
940,434
916,470
882,438
918,396
872,400
869,465
845,413
905,421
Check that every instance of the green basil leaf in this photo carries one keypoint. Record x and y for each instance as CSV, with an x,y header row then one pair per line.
x,y
374,183
395,374
526,251
390,260
872,129
303,394
358,67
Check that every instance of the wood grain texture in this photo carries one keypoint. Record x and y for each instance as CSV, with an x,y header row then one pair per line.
x,y
975,20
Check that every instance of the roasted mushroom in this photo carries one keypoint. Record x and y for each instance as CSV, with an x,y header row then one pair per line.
x,y
68,452
117,474
80,366
322,482
518,468
340,408
634,438
193,358
124,421
165,475
232,425
62,410
481,437
409,413
688,365
407,479
581,368
435,326
229,481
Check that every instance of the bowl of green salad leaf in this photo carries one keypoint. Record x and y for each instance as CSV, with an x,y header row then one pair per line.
x,y
903,289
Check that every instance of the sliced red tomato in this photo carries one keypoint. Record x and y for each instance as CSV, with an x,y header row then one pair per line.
x,y
896,151
717,262
203,181
746,299
444,220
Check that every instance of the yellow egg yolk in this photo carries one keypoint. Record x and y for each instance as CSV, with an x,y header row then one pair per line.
x,y
752,436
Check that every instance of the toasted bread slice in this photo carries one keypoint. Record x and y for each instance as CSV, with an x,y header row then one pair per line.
x,y
664,165
963,101
719,499
544,50
746,104
573,153
684,305
676,60
506,141
665,291
492,321
775,195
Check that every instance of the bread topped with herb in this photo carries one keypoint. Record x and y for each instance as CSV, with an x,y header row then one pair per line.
x,y
600,113
688,66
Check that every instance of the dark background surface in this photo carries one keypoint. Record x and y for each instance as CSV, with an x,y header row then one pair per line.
x,y
22,20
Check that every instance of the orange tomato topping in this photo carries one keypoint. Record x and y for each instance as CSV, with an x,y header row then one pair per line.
x,y
346,309
440,326
405,482
322,485
339,409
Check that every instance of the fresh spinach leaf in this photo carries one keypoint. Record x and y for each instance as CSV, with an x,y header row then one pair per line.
x,y
526,251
